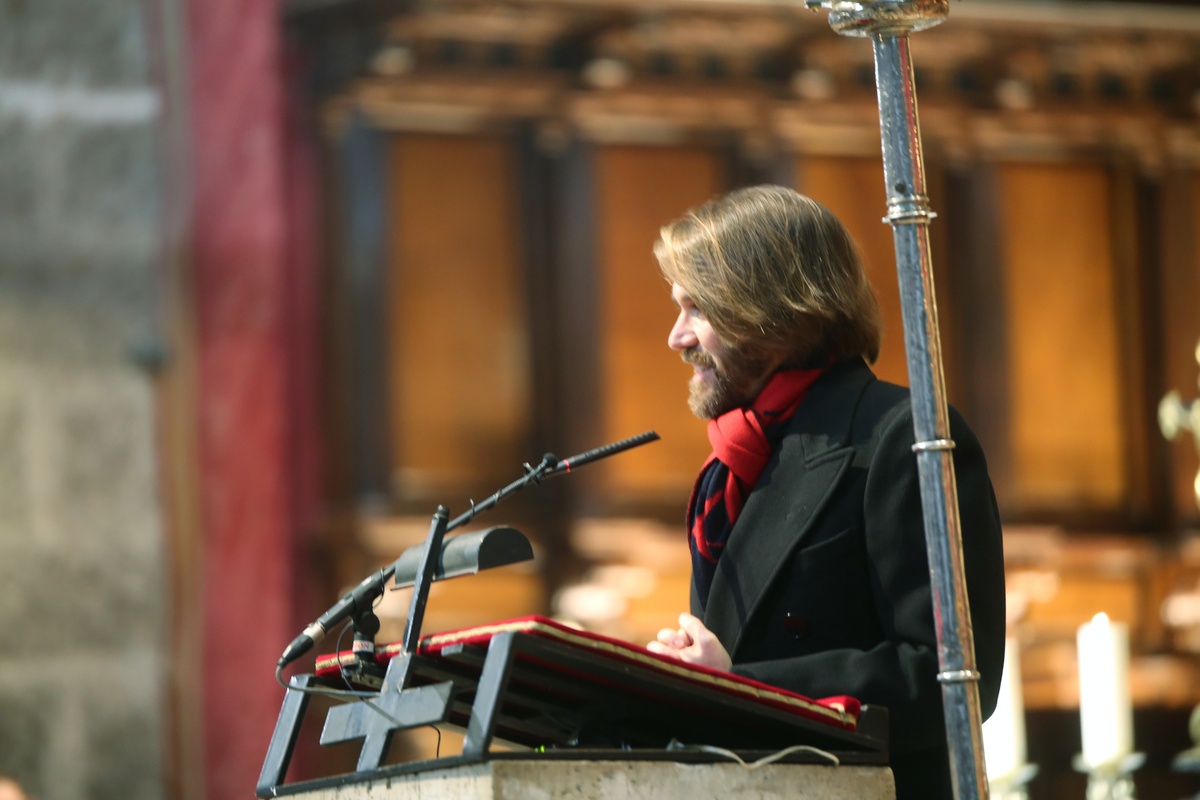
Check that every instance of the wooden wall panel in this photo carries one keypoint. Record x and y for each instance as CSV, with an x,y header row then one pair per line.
x,y
1181,329
852,188
1064,377
638,190
458,358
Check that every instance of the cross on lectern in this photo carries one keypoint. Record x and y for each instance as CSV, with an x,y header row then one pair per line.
x,y
396,708
1174,415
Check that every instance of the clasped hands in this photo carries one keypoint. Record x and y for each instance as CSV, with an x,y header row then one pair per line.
x,y
691,643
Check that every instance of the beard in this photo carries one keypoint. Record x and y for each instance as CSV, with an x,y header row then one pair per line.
x,y
735,384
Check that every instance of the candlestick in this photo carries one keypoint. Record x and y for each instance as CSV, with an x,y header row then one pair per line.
x,y
1113,781
1004,732
1004,747
1105,710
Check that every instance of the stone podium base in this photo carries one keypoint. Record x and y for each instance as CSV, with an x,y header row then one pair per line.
x,y
623,780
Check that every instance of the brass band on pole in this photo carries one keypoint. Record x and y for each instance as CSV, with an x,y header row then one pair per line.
x,y
888,24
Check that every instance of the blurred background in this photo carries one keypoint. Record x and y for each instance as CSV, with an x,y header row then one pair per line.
x,y
278,278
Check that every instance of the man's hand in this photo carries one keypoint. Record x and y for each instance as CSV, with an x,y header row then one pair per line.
x,y
692,643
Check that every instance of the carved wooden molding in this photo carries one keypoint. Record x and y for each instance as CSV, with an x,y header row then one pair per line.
x,y
998,79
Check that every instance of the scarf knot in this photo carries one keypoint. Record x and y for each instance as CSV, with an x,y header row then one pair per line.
x,y
742,445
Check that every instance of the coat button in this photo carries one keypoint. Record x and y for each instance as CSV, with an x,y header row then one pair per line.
x,y
794,624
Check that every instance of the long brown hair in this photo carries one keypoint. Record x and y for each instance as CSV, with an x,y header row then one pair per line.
x,y
769,266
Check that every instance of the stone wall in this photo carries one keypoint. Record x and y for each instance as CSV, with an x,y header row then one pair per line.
x,y
82,576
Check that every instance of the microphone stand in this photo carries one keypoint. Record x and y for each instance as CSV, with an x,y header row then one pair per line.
x,y
366,623
416,608
358,603
397,706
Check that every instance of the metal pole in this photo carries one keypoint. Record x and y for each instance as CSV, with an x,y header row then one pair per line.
x,y
888,24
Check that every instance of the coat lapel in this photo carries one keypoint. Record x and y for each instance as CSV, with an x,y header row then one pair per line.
x,y
787,500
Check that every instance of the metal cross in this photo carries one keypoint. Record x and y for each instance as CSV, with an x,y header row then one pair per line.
x,y
1174,415
396,708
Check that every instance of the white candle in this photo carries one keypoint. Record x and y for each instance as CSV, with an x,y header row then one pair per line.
x,y
1004,731
1105,710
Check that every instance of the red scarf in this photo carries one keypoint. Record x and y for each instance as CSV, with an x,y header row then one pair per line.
x,y
741,450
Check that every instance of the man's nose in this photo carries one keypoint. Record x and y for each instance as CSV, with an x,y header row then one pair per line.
x,y
682,336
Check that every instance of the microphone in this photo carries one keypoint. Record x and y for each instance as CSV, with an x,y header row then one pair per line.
x,y
360,598
568,464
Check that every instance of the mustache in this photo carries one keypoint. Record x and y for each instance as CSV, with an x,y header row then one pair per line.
x,y
698,358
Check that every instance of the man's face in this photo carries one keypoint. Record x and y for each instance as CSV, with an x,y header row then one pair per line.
x,y
726,376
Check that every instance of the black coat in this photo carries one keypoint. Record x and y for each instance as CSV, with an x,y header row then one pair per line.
x,y
824,585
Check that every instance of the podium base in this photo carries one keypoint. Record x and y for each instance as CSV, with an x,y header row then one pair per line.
x,y
622,780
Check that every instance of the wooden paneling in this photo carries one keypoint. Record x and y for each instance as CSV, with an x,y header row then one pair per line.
x,y
1135,199
852,188
972,316
458,358
1181,328
358,315
644,385
1066,426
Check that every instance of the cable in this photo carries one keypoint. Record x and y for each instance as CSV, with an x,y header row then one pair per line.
x,y
337,649
320,690
675,744
366,698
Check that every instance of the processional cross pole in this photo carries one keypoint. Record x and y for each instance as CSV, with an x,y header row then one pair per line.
x,y
888,24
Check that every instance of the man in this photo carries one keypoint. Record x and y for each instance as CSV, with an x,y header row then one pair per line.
x,y
809,568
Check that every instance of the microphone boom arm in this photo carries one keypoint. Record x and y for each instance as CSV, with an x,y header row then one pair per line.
x,y
363,596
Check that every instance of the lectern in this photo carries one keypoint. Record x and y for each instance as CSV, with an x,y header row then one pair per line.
x,y
555,694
